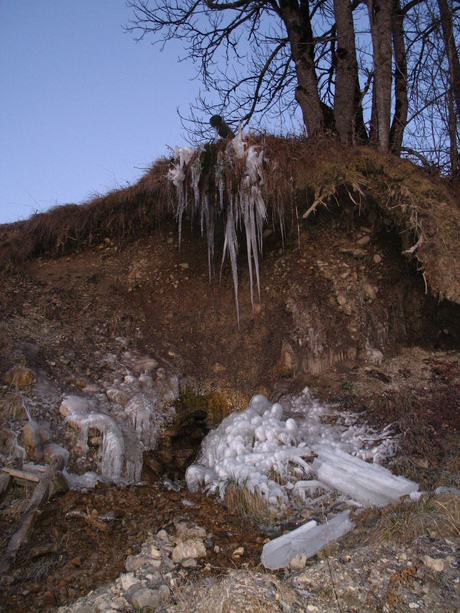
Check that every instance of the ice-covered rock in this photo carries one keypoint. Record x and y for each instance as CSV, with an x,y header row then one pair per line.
x,y
111,452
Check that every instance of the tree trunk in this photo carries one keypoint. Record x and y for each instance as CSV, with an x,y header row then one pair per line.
x,y
454,73
401,100
296,18
380,20
346,72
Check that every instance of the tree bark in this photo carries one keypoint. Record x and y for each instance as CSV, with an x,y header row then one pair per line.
x,y
401,100
452,53
346,72
454,73
380,20
296,18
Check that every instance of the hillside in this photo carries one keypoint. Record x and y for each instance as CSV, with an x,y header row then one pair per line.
x,y
359,301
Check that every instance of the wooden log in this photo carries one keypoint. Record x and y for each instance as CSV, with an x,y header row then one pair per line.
x,y
5,481
22,474
39,497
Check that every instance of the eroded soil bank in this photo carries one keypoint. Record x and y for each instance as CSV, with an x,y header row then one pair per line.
x,y
341,311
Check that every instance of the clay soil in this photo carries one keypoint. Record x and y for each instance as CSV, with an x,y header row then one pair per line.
x,y
59,315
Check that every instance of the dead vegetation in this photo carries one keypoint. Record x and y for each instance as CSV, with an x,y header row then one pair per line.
x,y
428,430
248,506
432,516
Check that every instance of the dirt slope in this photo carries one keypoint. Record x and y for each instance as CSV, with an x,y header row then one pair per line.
x,y
341,310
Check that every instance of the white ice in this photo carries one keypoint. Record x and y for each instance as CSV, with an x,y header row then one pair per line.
x,y
265,439
308,539
111,454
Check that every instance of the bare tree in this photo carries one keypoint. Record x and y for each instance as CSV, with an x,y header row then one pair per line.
x,y
401,106
391,63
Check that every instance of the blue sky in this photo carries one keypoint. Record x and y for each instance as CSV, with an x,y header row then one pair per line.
x,y
83,107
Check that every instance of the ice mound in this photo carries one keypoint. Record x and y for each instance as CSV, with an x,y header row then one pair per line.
x,y
265,448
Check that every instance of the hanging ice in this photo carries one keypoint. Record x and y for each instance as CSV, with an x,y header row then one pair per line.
x,y
232,187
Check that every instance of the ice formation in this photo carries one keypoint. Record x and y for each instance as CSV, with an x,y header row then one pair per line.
x,y
233,189
112,450
127,415
265,439
307,540
267,448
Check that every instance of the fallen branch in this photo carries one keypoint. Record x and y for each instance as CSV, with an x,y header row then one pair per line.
x,y
22,474
5,481
40,496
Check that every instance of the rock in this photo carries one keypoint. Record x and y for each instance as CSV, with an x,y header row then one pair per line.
x,y
189,563
32,440
191,548
374,355
145,598
341,299
288,362
133,563
364,240
155,579
20,376
370,290
52,450
127,580
188,530
377,258
436,564
155,553
117,396
238,552
163,536
298,562
73,404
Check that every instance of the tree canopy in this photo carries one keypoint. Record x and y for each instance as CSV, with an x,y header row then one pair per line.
x,y
383,72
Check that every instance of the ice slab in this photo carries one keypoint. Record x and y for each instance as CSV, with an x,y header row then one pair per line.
x,y
308,540
368,484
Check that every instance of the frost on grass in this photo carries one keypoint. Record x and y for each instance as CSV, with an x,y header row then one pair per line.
x,y
267,448
225,183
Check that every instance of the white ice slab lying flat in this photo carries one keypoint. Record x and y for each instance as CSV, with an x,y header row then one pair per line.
x,y
368,484
308,539
365,483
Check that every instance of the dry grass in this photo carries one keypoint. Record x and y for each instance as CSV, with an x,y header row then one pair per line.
x,y
432,516
301,176
123,213
238,591
428,426
248,506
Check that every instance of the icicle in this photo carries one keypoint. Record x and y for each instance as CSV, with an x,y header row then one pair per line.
x,y
231,245
208,216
